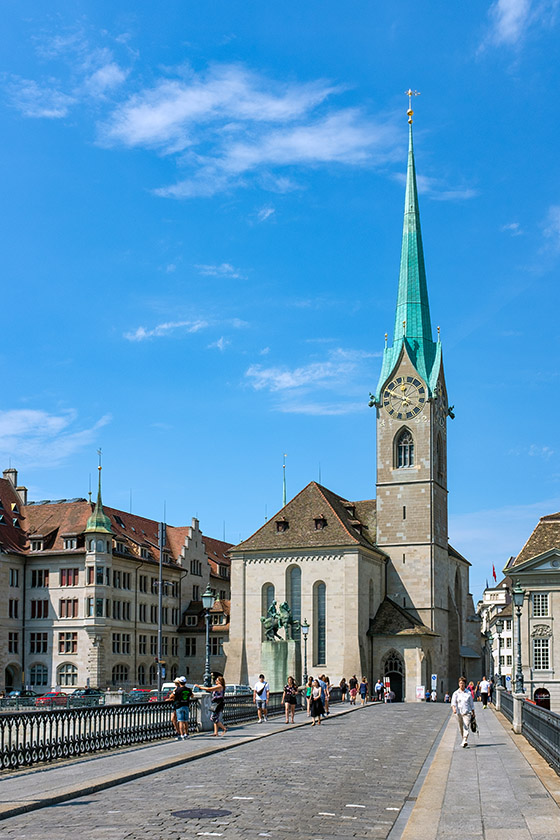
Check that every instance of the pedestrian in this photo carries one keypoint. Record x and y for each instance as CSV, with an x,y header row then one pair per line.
x,y
433,696
447,698
261,693
323,687
428,695
471,689
308,690
343,689
327,693
217,706
484,691
289,698
317,708
180,697
363,690
353,682
462,705
379,689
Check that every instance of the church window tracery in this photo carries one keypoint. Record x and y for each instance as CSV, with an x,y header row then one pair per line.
x,y
320,622
404,449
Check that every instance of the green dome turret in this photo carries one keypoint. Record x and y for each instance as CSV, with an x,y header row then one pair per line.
x,y
99,522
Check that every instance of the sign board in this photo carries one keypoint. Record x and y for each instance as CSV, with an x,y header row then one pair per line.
x,y
420,692
387,682
434,682
163,672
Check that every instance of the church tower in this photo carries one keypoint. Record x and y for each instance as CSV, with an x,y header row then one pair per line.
x,y
412,411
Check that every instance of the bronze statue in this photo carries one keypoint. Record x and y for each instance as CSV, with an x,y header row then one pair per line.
x,y
277,618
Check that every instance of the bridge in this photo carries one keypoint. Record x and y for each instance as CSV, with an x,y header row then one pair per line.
x,y
382,771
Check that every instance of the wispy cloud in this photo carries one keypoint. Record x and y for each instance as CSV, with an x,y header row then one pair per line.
x,y
512,228
533,450
265,213
551,227
511,20
221,270
33,437
438,190
165,329
220,344
34,100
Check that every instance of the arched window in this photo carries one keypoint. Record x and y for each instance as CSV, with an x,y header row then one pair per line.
x,y
393,663
119,675
404,449
141,675
320,623
174,670
39,674
67,674
293,594
153,674
267,597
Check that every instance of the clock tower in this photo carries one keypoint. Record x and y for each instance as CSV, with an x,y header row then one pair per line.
x,y
423,577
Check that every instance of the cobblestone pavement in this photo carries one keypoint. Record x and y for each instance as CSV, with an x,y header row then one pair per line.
x,y
348,778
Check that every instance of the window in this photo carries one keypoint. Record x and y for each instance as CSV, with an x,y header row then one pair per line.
x,y
502,660
69,577
509,660
320,622
70,543
143,582
90,607
116,579
99,607
218,618
116,642
38,643
36,545
68,643
14,577
142,645
13,642
90,575
541,654
145,555
126,580
126,610
13,608
174,646
196,567
282,525
153,614
120,548
191,620
320,523
153,645
196,593
142,612
39,577
39,674
175,589
190,645
439,458
508,623
173,672
116,610
507,642
293,594
153,674
119,675
223,595
164,645
540,604
405,449
68,608
216,645
174,615
154,586
39,609
119,521
165,615
141,675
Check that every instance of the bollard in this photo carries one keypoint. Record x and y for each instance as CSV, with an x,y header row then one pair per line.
x,y
498,697
518,713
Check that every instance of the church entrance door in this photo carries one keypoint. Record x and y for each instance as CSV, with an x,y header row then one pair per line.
x,y
396,685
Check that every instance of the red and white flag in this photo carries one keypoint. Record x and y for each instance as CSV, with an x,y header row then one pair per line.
x,y
494,573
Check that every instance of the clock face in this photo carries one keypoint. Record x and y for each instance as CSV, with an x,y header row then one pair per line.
x,y
404,397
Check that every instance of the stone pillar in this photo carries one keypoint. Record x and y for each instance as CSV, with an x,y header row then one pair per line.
x,y
518,713
498,696
279,660
114,698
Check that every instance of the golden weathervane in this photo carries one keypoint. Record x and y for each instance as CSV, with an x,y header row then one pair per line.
x,y
410,93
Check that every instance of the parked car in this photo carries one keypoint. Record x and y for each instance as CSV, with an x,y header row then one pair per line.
x,y
87,697
52,698
239,689
19,699
138,695
153,695
23,692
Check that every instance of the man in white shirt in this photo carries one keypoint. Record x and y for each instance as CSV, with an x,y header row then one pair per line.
x,y
484,686
261,692
462,705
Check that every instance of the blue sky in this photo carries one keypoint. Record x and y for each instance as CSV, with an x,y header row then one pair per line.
x,y
202,209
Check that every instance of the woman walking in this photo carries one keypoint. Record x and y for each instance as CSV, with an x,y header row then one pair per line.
x,y
343,689
327,694
308,690
217,705
289,698
363,690
316,703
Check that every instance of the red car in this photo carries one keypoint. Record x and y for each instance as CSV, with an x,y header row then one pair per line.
x,y
53,698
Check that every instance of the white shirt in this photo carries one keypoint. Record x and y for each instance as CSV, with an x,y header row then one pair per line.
x,y
463,701
484,686
258,687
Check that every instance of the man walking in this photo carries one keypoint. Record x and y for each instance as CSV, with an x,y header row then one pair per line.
x,y
462,705
261,693
484,691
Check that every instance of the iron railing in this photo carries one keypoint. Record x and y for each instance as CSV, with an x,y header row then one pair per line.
x,y
542,729
240,707
35,737
506,704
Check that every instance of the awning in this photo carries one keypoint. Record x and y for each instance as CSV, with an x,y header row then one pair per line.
x,y
468,653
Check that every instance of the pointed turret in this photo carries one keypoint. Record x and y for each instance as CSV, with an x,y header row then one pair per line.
x,y
99,522
413,328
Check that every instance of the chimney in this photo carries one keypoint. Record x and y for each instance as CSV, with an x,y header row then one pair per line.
x,y
22,494
11,476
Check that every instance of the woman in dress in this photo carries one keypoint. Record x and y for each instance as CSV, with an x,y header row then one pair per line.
x,y
316,703
343,689
363,690
289,698
217,705
308,690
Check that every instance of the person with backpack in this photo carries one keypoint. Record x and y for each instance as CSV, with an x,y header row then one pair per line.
x,y
261,693
181,698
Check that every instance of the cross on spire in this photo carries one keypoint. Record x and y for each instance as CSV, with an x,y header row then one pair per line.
x,y
410,93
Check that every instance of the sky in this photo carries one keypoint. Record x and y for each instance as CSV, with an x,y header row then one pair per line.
x,y
201,211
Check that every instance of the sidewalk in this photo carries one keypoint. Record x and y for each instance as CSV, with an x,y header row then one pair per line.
x,y
48,784
497,789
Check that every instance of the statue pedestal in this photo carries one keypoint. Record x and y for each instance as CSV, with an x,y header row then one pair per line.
x,y
280,660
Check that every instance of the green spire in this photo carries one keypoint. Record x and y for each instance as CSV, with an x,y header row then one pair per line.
x,y
413,328
99,521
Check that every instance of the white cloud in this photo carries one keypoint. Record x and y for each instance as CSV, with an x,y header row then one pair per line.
x,y
222,270
34,100
165,329
340,364
510,20
265,213
551,227
437,190
220,344
105,79
32,437
513,228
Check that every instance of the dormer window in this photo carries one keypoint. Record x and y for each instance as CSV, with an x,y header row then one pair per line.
x,y
70,543
320,522
15,523
36,545
15,508
282,525
2,519
120,548
191,620
144,553
351,510
357,525
119,521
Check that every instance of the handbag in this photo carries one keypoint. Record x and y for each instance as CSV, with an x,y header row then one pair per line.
x,y
474,727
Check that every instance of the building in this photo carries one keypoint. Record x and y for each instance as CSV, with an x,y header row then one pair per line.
x,y
82,584
383,590
495,607
537,569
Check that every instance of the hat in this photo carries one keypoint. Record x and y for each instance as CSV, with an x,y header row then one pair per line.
x,y
182,679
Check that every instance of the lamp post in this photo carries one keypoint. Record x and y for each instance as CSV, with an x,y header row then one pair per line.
x,y
305,631
518,595
490,640
207,602
499,625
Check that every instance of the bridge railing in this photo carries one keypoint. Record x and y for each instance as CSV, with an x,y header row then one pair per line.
x,y
506,706
542,729
34,737
239,708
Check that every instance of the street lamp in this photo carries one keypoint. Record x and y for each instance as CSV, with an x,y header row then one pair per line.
x,y
518,595
490,640
305,631
499,625
207,602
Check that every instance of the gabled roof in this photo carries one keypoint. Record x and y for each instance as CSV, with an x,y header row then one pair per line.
x,y
13,539
393,620
545,537
346,523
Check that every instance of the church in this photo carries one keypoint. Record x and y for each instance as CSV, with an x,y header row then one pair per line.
x,y
383,591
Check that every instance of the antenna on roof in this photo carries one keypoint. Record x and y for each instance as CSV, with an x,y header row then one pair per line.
x,y
266,513
89,491
319,472
284,480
